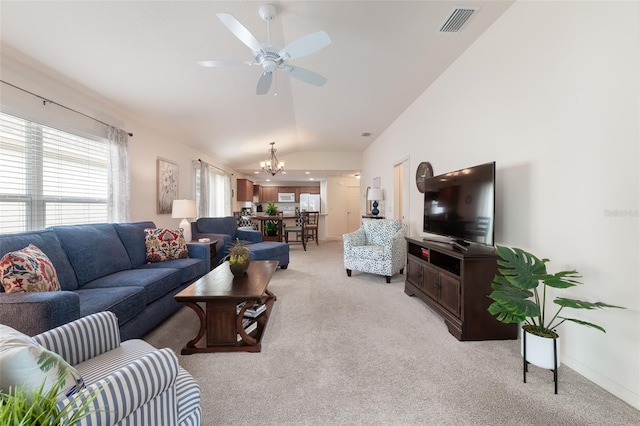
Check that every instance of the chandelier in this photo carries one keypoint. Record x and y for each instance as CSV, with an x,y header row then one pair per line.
x,y
272,165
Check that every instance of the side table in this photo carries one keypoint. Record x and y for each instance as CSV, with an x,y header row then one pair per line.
x,y
212,252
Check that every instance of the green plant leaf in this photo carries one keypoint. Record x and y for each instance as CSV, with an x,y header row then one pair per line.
x,y
563,279
511,304
521,269
588,324
581,304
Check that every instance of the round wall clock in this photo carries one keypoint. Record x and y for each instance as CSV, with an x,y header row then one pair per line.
x,y
423,171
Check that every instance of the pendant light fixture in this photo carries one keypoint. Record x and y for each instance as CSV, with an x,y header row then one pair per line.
x,y
272,165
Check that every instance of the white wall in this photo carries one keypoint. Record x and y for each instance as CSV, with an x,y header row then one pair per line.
x,y
550,92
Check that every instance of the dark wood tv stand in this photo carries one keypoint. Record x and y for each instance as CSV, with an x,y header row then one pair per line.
x,y
456,284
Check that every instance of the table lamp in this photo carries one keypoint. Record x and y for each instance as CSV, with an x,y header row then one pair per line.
x,y
184,209
375,195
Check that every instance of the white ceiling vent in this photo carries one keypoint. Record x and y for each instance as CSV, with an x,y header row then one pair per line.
x,y
459,16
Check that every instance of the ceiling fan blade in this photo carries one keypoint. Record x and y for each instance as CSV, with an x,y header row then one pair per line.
x,y
224,63
305,45
264,83
240,31
305,75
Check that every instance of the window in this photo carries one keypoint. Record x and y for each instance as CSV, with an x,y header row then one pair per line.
x,y
50,177
213,191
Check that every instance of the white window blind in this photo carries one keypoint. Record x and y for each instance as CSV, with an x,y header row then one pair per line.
x,y
50,177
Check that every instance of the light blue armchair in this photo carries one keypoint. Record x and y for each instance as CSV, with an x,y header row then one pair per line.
x,y
135,383
378,247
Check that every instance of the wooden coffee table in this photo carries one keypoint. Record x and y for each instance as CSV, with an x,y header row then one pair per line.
x,y
220,292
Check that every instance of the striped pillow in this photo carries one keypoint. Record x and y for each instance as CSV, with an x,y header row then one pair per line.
x,y
25,363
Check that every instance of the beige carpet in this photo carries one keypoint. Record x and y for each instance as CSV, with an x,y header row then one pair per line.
x,y
341,350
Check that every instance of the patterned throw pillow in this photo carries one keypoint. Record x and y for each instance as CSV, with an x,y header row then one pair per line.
x,y
165,244
25,363
28,270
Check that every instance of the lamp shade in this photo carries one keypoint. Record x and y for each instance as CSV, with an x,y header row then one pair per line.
x,y
375,194
183,209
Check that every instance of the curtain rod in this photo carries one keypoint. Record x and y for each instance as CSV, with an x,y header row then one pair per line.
x,y
45,101
211,165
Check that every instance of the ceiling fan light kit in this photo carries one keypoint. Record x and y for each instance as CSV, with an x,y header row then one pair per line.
x,y
270,56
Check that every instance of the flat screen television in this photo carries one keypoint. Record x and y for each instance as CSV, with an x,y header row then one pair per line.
x,y
460,205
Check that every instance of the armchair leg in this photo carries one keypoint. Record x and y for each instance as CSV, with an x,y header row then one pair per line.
x,y
348,272
388,278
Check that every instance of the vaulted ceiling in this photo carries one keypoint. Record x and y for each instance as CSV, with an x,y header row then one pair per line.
x,y
142,56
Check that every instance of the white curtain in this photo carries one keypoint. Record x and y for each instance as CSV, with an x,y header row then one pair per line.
x,y
213,190
119,199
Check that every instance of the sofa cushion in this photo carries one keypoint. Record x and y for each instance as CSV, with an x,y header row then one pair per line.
x,y
48,242
270,250
132,236
28,270
189,269
125,302
24,363
94,250
380,231
156,282
363,253
165,244
217,225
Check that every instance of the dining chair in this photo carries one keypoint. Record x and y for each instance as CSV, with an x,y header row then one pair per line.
x,y
298,229
311,226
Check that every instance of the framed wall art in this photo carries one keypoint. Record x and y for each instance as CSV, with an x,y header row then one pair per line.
x,y
167,185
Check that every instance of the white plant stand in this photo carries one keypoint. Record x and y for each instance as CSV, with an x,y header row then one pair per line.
x,y
536,351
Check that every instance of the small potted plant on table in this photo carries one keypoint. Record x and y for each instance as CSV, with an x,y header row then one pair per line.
x,y
239,258
271,209
519,277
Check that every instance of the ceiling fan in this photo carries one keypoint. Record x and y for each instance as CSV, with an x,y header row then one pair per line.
x,y
270,56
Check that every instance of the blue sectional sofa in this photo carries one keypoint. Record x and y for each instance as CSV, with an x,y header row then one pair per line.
x,y
101,267
225,230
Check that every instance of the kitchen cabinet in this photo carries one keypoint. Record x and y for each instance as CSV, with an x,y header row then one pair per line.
x,y
309,189
306,190
268,194
244,190
287,189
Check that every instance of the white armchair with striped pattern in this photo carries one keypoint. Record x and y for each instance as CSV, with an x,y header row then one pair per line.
x,y
135,383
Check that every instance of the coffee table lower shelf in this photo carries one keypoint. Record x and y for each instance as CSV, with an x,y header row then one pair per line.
x,y
219,327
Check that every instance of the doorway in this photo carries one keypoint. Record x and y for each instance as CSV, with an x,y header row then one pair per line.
x,y
353,208
401,190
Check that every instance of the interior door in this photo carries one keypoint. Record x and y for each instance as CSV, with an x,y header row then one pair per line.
x,y
401,186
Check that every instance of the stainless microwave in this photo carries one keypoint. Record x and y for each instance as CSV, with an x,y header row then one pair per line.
x,y
286,197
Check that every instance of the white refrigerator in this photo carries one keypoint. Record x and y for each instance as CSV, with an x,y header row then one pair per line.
x,y
310,202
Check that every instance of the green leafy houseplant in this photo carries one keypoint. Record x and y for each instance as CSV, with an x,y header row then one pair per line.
x,y
271,209
520,292
271,228
238,253
238,257
26,407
